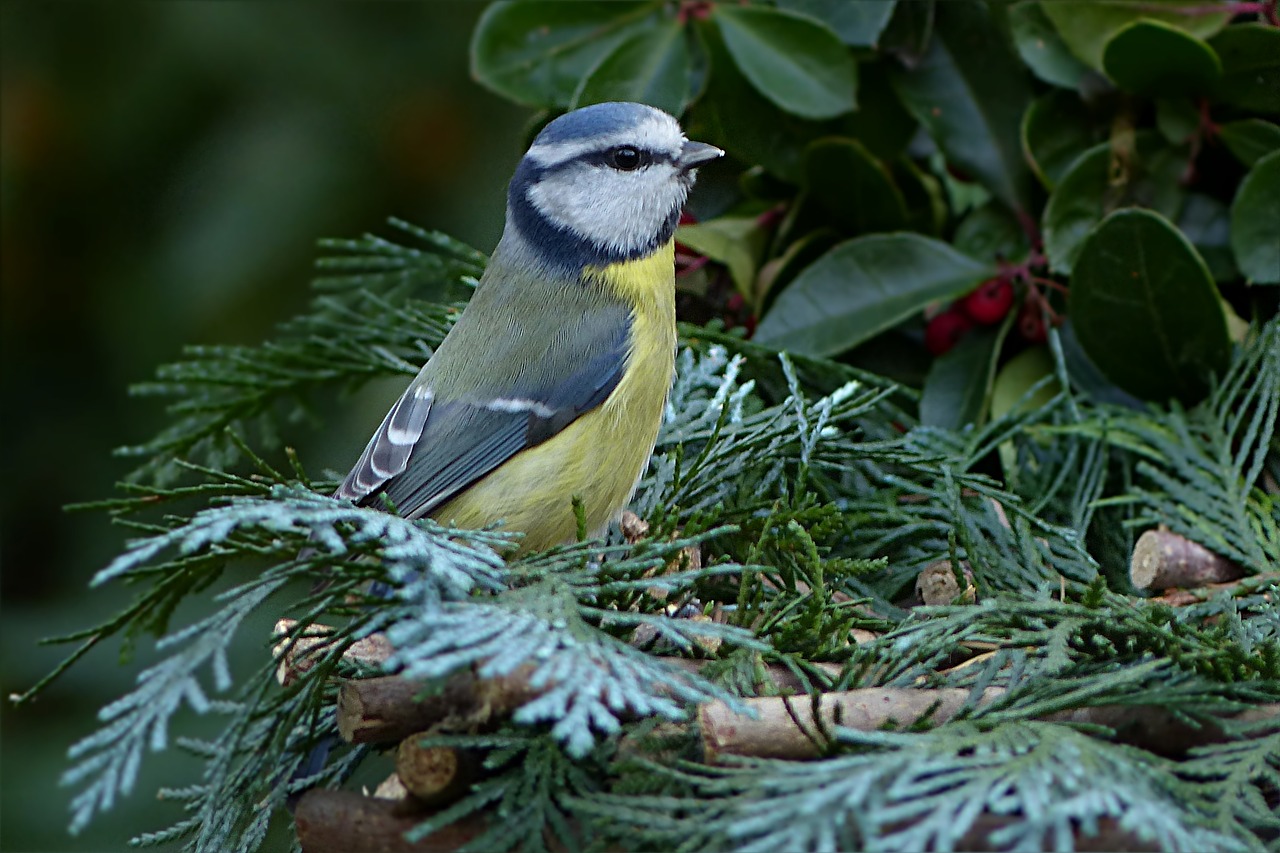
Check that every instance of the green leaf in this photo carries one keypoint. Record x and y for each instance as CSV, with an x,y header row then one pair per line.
x,y
536,52
1103,179
1177,119
1250,139
910,30
1087,25
855,188
1250,56
1255,234
923,194
778,272
857,24
955,390
735,241
1017,377
1206,222
733,115
1056,129
652,67
1145,309
970,92
864,286
791,59
1011,385
1154,58
881,122
1040,46
991,232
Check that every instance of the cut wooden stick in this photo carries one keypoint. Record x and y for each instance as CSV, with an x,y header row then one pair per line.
x,y
296,656
936,584
1158,730
1163,560
436,775
390,708
346,822
1184,597
785,727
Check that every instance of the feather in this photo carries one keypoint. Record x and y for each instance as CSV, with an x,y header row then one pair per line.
x,y
429,449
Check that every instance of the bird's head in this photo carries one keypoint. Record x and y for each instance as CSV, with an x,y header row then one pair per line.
x,y
603,184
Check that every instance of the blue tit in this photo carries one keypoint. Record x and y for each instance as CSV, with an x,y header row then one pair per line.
x,y
552,383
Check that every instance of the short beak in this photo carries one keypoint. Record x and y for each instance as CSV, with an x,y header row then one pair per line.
x,y
694,154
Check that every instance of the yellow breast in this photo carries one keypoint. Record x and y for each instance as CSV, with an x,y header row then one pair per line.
x,y
601,455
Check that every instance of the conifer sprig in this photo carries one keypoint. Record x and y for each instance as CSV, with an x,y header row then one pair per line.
x,y
812,497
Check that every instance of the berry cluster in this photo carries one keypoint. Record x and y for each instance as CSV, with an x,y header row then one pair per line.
x,y
988,304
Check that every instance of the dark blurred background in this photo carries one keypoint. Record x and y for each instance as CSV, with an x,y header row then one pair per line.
x,y
165,170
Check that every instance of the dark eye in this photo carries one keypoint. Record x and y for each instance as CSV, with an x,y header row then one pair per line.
x,y
625,158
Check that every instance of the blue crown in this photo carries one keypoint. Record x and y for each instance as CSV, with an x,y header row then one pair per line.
x,y
594,120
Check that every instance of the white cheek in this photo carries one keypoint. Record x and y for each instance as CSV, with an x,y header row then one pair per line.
x,y
618,211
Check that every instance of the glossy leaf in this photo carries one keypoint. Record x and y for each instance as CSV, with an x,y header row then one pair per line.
x,y
989,233
536,52
910,30
923,194
791,59
970,92
956,387
1206,222
857,24
1018,376
1106,178
1056,129
653,67
1255,222
780,271
863,287
1145,309
1150,57
1087,25
880,123
1177,119
733,115
856,190
735,241
1250,139
1040,46
1086,376
1250,55
1010,393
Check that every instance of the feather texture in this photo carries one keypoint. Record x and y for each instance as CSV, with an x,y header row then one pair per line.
x,y
552,383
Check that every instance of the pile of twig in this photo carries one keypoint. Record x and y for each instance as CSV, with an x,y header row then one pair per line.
x,y
793,725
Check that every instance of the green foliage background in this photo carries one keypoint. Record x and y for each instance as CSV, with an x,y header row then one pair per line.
x,y
165,170
886,158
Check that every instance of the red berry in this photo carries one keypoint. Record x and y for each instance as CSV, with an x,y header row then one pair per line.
x,y
990,302
945,330
772,216
959,174
1031,323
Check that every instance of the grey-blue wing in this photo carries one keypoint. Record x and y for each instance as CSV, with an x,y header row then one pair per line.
x,y
388,451
428,450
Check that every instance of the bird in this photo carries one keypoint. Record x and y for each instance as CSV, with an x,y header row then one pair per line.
x,y
552,382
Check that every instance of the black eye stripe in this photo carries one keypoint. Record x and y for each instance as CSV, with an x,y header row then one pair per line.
x,y
599,158
606,157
